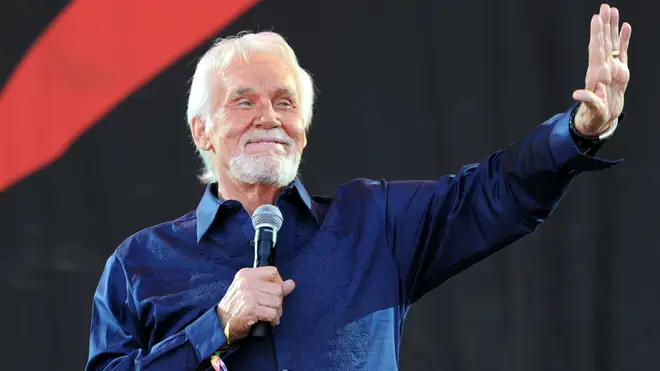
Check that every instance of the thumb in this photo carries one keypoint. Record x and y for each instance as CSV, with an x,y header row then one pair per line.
x,y
288,286
590,99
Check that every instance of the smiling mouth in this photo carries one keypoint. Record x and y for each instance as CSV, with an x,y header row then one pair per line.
x,y
266,142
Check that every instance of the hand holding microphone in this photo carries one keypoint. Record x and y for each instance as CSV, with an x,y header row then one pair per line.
x,y
253,302
255,295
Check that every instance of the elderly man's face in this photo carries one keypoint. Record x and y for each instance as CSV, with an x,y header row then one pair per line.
x,y
258,133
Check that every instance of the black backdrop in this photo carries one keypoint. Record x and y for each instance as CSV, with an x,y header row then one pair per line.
x,y
407,89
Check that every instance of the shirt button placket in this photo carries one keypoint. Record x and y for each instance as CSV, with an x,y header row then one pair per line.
x,y
285,240
282,348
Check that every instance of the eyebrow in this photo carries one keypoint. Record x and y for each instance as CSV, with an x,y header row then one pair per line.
x,y
249,91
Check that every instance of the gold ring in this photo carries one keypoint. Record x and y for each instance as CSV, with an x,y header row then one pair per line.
x,y
615,54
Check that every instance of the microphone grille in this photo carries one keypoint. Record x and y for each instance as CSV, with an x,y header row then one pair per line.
x,y
269,215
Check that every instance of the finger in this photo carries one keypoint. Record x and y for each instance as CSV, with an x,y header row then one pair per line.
x,y
607,40
591,100
270,274
243,320
251,322
272,289
584,95
626,31
274,276
596,49
267,300
287,287
267,314
614,28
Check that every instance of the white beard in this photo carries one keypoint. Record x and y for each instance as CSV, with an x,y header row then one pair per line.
x,y
267,168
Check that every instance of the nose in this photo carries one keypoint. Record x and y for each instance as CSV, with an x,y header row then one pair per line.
x,y
267,122
268,119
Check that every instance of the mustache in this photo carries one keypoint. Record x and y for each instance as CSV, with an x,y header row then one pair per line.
x,y
272,135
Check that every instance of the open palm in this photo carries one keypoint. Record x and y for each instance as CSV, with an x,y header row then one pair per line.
x,y
607,75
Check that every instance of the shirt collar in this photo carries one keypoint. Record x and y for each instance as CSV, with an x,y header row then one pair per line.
x,y
209,205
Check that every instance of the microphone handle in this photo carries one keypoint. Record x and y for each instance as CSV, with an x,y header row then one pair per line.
x,y
264,255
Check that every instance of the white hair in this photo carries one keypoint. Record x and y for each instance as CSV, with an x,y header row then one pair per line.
x,y
216,60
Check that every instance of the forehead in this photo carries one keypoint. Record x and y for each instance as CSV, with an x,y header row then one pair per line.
x,y
260,72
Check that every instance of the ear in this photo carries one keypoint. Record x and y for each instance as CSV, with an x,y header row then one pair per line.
x,y
200,135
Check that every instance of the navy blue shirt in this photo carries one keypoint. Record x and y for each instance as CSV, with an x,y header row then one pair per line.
x,y
359,260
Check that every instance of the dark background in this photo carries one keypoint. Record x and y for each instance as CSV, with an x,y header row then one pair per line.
x,y
407,90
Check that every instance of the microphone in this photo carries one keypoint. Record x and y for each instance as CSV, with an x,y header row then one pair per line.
x,y
267,221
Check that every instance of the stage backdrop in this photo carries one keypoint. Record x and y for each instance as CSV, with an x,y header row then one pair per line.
x,y
94,146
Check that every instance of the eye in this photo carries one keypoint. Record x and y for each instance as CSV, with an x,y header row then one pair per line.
x,y
284,103
244,103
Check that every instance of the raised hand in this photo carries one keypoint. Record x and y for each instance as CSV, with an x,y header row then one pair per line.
x,y
607,75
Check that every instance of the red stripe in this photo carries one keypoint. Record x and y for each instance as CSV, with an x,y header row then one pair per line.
x,y
89,59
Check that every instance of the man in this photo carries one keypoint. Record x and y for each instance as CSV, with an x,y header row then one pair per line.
x,y
182,296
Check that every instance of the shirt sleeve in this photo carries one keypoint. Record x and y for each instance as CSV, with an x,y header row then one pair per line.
x,y
439,228
118,343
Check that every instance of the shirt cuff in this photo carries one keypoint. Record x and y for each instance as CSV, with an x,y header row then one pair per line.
x,y
206,335
566,153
